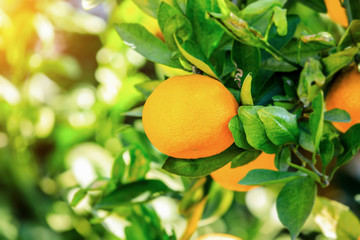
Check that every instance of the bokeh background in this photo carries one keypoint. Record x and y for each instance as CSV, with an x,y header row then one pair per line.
x,y
69,109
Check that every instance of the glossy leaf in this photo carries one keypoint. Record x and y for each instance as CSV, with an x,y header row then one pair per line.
x,y
282,158
149,6
191,51
79,195
196,12
335,62
201,166
317,120
351,142
238,133
337,115
142,41
166,11
280,125
134,193
305,139
280,20
179,26
317,5
245,94
295,202
266,177
245,157
327,150
311,81
255,130
351,36
246,58
259,13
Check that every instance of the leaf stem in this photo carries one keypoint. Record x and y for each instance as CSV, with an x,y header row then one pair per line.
x,y
316,172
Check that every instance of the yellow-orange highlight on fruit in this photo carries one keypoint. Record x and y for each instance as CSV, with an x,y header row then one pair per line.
x,y
228,177
218,236
345,94
187,116
336,12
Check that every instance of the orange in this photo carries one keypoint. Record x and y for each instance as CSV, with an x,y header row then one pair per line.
x,y
229,177
218,236
188,116
336,12
345,94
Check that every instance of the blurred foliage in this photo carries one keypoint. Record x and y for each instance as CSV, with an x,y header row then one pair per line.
x,y
68,137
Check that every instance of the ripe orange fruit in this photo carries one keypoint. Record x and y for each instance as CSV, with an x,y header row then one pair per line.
x,y
229,177
218,236
188,116
345,94
336,12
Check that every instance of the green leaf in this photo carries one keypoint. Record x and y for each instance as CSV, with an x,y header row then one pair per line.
x,y
218,204
300,52
327,150
79,195
146,88
166,11
277,41
351,36
317,120
246,58
254,129
311,81
317,5
134,193
337,61
245,157
305,138
149,6
280,20
282,158
238,133
266,177
258,14
351,142
280,125
142,41
289,87
324,38
90,4
191,51
135,112
245,94
240,30
138,166
118,168
295,202
207,33
337,115
179,26
201,166
335,220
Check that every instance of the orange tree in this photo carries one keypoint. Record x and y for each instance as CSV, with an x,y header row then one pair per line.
x,y
278,58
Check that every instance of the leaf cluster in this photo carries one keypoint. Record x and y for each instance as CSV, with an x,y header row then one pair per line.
x,y
278,67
